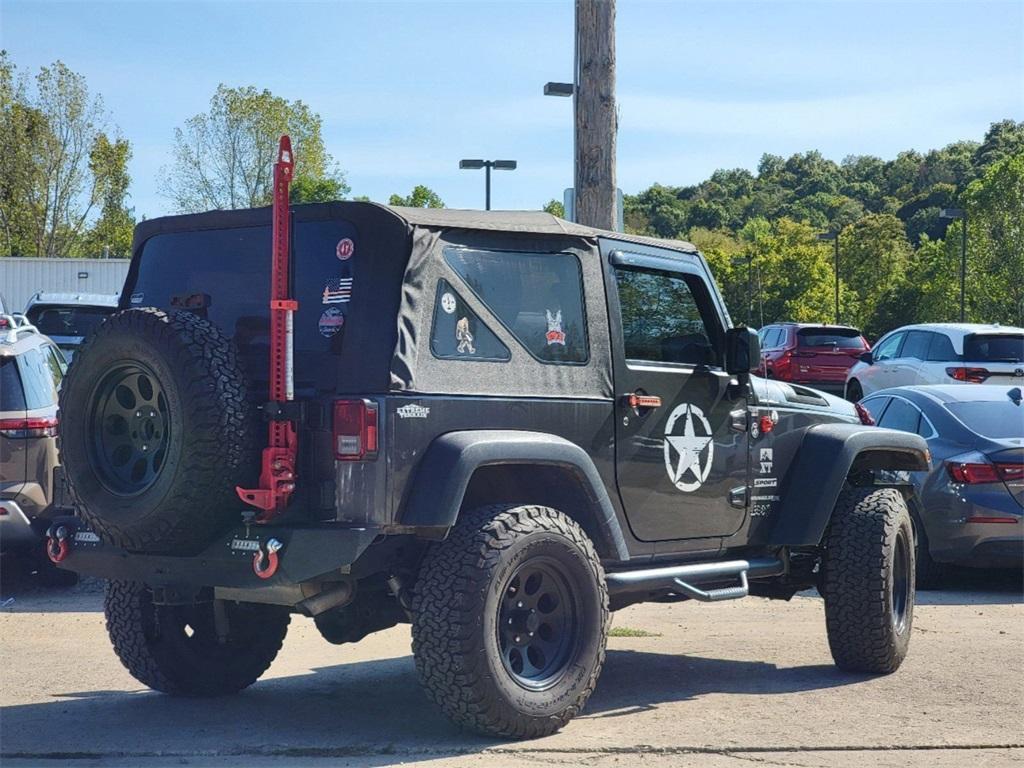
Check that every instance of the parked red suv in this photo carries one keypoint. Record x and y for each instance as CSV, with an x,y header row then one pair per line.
x,y
812,354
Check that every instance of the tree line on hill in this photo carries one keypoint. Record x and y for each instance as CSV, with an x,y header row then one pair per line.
x,y
899,260
64,188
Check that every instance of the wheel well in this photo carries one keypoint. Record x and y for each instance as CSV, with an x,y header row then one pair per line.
x,y
558,487
886,458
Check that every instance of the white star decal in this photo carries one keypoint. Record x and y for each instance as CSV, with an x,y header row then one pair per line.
x,y
688,471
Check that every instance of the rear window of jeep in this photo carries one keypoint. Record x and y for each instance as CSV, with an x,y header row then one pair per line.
x,y
538,297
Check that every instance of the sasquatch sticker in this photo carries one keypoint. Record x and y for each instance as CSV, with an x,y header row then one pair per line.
x,y
689,448
555,334
331,322
464,337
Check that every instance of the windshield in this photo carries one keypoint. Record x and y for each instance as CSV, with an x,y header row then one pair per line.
x,y
841,338
67,321
991,419
1003,347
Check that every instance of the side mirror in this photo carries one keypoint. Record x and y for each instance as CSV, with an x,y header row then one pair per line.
x,y
742,351
866,357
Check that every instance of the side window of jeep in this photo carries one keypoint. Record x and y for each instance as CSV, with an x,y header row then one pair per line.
x,y
538,297
458,334
666,318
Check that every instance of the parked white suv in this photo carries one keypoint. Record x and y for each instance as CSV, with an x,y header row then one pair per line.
x,y
940,353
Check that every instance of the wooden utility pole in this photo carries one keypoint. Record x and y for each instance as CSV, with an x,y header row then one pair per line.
x,y
596,120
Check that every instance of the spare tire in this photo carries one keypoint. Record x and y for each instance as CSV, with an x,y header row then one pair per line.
x,y
156,431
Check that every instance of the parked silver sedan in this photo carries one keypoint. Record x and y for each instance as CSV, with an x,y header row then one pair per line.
x,y
971,501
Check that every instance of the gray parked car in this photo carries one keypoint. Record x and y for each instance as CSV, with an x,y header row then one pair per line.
x,y
968,507
68,318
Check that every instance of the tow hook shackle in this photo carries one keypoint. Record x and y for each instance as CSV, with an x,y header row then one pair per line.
x,y
57,546
265,562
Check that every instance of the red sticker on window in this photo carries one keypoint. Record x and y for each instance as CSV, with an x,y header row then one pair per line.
x,y
345,248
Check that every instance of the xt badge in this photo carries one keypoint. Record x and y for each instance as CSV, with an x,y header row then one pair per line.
x,y
688,447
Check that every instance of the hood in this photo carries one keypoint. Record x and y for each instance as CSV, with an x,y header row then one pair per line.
x,y
774,392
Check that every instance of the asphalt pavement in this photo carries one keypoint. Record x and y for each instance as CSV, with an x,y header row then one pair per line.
x,y
687,684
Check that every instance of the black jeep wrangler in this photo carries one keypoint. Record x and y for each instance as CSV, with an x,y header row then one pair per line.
x,y
508,426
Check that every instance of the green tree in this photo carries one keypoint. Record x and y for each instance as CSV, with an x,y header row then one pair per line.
x,y
874,257
420,197
111,234
56,165
307,189
995,240
555,208
224,157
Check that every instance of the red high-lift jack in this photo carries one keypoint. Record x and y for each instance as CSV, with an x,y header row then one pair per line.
x,y
278,473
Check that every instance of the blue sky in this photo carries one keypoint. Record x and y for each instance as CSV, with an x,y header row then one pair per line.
x,y
405,89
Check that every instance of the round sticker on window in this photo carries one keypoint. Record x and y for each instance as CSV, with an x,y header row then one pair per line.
x,y
448,303
345,248
331,321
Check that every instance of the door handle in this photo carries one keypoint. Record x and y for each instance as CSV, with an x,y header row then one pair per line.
x,y
637,401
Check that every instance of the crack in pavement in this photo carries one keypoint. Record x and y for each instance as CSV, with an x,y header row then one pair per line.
x,y
374,751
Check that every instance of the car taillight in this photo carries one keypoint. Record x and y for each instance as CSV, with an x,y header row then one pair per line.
x,y
32,427
864,414
355,429
975,473
970,375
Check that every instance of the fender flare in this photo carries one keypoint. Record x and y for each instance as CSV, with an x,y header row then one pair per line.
x,y
816,477
439,485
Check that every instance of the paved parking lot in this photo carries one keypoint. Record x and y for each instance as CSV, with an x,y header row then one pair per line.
x,y
722,685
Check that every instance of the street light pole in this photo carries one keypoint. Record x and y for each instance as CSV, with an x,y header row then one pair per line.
x,y
961,214
487,165
834,236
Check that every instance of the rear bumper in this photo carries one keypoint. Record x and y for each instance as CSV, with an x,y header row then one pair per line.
x,y
15,528
306,554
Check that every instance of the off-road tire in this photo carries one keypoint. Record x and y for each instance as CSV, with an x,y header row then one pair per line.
x,y
153,643
456,604
209,432
868,580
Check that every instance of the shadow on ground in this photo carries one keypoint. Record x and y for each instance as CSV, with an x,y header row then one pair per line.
x,y
370,707
969,586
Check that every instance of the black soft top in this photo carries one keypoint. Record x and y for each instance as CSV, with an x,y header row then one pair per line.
x,y
522,222
392,284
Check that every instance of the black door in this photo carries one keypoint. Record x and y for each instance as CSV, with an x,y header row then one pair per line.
x,y
681,465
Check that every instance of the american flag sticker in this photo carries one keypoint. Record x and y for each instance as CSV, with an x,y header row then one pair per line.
x,y
338,290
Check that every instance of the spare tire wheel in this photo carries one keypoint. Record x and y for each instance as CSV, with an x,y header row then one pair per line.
x,y
156,431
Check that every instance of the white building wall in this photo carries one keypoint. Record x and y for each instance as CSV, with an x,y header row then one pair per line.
x,y
22,277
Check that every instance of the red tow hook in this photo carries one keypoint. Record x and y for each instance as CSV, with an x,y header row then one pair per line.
x,y
265,565
57,546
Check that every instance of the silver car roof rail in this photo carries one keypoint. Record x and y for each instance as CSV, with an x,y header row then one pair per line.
x,y
14,325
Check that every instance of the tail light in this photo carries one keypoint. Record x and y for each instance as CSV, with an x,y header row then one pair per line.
x,y
864,415
970,375
355,430
975,473
32,427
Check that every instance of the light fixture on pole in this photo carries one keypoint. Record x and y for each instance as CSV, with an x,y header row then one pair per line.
x,y
961,214
487,165
834,236
566,90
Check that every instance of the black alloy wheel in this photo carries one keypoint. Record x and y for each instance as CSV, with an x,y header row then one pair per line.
x,y
902,584
538,624
130,427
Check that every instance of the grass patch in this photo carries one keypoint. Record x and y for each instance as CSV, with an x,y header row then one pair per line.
x,y
631,632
